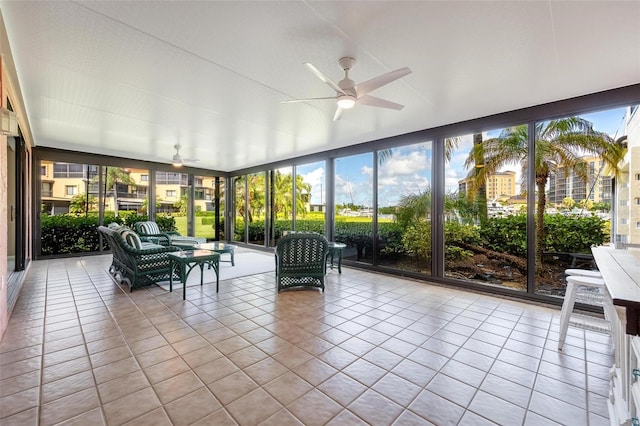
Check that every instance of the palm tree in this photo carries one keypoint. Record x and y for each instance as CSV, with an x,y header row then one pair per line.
x,y
559,147
114,176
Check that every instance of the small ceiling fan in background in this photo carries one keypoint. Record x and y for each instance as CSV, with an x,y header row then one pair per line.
x,y
348,93
177,160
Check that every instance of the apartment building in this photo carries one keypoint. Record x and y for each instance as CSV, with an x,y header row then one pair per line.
x,y
498,185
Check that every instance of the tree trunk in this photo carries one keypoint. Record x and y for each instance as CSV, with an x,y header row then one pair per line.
x,y
541,183
481,194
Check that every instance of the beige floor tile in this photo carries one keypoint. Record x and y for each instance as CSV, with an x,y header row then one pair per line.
x,y
131,406
192,407
20,367
20,354
66,386
19,401
287,388
265,371
109,356
247,356
282,418
315,371
24,418
232,387
165,370
91,417
115,370
155,356
64,369
218,418
314,408
69,406
201,356
342,388
215,370
19,383
144,345
122,386
157,417
254,407
177,386
104,344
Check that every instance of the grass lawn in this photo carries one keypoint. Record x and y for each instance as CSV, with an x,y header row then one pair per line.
x,y
203,231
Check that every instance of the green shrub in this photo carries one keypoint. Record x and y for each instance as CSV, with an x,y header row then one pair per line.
x,y
455,233
507,234
417,239
568,234
456,253
574,234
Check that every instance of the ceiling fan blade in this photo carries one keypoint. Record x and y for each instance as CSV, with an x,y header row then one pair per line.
x,y
324,78
377,102
338,114
306,100
381,80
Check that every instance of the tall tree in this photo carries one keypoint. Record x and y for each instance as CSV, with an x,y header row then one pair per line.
x,y
559,147
114,176
481,193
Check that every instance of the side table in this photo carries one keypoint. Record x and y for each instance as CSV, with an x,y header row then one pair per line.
x,y
191,258
336,249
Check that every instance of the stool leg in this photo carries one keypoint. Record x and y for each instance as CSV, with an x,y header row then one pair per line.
x,y
567,309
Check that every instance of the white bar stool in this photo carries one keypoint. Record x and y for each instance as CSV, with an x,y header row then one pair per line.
x,y
573,281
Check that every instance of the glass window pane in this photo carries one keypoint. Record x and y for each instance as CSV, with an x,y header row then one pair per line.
x,y
404,207
485,229
204,207
282,191
354,206
584,154
311,200
240,210
256,208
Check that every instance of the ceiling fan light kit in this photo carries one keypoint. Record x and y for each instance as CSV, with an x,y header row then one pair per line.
x,y
346,101
348,93
177,158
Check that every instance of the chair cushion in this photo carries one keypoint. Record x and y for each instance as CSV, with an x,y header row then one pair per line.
x,y
132,238
149,227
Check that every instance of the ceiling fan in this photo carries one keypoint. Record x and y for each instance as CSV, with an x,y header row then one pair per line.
x,y
177,160
348,93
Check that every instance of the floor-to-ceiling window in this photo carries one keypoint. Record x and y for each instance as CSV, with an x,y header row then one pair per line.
x,y
311,199
354,207
207,210
239,208
256,207
578,159
282,203
404,207
485,214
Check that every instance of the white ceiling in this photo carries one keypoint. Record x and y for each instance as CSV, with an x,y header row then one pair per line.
x,y
133,78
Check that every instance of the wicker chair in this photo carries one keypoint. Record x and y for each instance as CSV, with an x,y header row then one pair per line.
x,y
150,230
301,261
138,267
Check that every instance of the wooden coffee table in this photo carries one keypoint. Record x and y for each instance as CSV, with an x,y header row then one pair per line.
x,y
191,258
220,248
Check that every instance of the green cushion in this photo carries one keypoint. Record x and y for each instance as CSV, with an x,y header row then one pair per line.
x,y
132,238
149,228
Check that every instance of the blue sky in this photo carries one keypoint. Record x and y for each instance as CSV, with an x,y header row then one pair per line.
x,y
408,171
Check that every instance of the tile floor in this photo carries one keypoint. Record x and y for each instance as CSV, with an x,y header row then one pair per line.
x,y
372,349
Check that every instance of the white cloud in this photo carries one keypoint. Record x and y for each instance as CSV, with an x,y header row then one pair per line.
x,y
316,179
